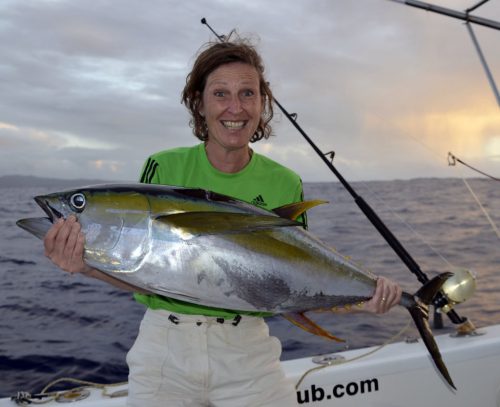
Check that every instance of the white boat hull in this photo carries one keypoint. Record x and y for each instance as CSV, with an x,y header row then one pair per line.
x,y
402,374
398,375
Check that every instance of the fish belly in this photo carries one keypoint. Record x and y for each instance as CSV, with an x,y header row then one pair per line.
x,y
273,271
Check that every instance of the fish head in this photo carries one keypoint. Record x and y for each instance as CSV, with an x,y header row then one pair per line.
x,y
115,222
62,204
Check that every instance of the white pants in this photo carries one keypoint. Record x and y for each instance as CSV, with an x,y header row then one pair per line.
x,y
201,362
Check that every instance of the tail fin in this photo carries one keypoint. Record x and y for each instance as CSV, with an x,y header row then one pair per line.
x,y
420,313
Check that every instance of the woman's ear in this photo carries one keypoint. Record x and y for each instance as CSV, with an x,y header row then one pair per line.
x,y
199,107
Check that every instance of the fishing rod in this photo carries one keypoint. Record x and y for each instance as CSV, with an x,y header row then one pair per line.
x,y
440,300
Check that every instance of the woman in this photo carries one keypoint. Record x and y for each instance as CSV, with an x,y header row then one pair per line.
x,y
187,354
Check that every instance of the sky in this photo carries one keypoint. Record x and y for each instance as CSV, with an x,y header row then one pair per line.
x,y
89,89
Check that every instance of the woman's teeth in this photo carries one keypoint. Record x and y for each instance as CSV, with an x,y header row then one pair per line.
x,y
233,125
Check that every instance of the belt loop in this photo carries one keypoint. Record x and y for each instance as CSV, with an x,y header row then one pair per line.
x,y
172,318
236,320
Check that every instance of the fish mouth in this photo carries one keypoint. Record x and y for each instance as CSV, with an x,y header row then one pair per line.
x,y
52,212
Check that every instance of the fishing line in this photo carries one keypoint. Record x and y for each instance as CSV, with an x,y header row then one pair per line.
x,y
400,218
452,160
492,223
409,226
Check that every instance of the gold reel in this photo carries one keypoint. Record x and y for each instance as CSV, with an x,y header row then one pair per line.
x,y
459,288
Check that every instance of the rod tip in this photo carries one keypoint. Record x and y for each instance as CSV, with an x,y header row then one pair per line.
x,y
203,20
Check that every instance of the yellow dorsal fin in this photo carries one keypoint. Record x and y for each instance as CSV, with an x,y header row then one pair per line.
x,y
294,210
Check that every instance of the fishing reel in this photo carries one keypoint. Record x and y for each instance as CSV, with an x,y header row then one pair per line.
x,y
458,288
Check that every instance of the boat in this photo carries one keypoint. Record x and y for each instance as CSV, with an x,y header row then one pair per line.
x,y
395,375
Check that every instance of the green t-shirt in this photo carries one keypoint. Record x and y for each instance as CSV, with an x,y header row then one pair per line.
x,y
262,182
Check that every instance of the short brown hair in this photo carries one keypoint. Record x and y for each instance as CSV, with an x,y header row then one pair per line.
x,y
212,56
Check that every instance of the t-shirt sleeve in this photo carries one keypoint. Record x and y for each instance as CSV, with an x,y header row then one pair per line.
x,y
150,172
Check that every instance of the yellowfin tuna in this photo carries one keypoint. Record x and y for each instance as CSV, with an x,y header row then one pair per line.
x,y
210,249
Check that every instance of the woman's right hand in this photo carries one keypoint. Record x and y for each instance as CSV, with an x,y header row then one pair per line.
x,y
64,245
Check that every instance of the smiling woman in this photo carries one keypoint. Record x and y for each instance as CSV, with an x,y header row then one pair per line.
x,y
217,56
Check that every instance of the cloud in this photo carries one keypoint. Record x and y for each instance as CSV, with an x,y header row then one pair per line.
x,y
99,84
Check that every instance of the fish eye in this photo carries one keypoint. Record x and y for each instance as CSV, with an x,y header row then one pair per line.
x,y
77,201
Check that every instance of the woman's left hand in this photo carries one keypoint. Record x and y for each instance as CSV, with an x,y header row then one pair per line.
x,y
387,295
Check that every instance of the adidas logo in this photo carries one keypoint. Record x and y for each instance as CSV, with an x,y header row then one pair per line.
x,y
259,201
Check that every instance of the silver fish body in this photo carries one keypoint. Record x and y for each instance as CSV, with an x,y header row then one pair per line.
x,y
202,247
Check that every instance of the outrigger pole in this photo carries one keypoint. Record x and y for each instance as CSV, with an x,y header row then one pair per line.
x,y
440,300
468,18
465,15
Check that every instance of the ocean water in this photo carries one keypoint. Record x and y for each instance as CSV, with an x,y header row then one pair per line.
x,y
54,325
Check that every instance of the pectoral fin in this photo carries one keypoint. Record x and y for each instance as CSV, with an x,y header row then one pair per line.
x,y
303,322
224,222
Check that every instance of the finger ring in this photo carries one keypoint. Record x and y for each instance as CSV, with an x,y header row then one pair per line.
x,y
383,299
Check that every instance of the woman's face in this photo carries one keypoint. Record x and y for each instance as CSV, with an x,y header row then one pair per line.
x,y
232,105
